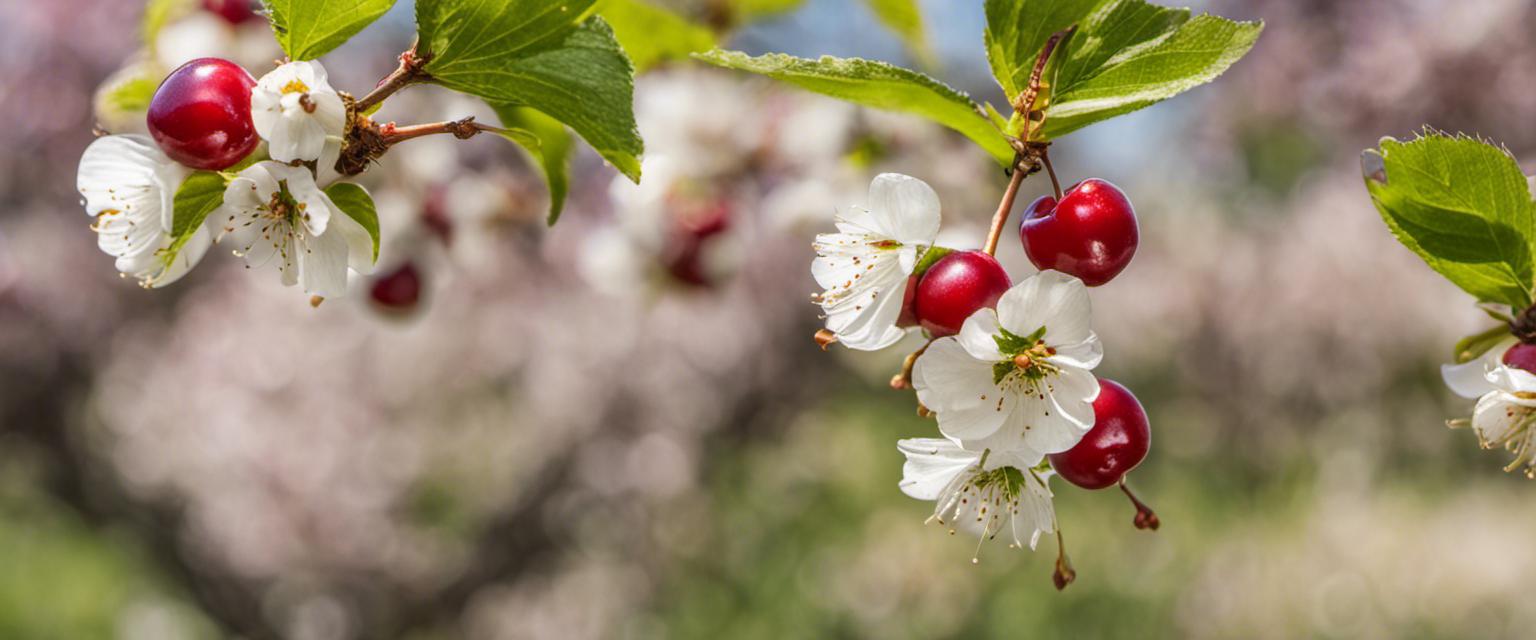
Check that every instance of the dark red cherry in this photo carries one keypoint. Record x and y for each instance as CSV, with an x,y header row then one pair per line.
x,y
232,11
955,287
435,216
908,317
692,230
1118,441
1521,356
1090,234
397,290
201,114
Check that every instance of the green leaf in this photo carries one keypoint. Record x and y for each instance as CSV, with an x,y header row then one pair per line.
x,y
1474,346
1129,54
652,35
544,54
551,148
354,201
1017,31
905,19
199,195
746,11
308,29
879,85
1463,206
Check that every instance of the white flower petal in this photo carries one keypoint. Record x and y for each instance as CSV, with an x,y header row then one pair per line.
x,y
864,290
1083,355
959,389
979,336
931,464
1049,299
1496,417
904,208
1470,379
1035,513
323,265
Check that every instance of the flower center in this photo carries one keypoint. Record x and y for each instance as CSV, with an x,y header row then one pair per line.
x,y
1026,355
295,86
283,207
1520,439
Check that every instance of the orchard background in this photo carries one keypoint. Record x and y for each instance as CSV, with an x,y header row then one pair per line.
x,y
549,449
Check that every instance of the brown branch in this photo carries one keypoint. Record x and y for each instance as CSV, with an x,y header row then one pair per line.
x,y
463,129
408,73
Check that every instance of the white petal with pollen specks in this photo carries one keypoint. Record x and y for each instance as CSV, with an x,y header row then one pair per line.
x,y
129,185
314,247
931,464
864,269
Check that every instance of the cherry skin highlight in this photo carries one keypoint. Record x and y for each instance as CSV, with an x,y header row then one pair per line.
x,y
232,11
955,287
201,114
1091,233
1118,441
1521,356
398,290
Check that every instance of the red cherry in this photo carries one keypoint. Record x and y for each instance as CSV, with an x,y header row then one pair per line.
x,y
1090,234
908,317
1521,356
683,256
1117,442
955,287
398,290
232,11
201,114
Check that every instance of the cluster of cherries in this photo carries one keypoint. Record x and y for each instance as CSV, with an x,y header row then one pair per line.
x,y
1090,233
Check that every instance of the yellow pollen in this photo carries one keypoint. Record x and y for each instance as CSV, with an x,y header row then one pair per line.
x,y
295,86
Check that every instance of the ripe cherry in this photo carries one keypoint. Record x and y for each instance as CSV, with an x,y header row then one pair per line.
x,y
1117,442
955,287
398,290
683,257
908,317
1521,356
232,11
201,114
1091,233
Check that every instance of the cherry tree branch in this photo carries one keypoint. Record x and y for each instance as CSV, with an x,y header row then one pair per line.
x,y
463,129
408,73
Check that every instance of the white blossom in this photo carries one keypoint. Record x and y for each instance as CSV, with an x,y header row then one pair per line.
x,y
981,493
129,186
1506,404
276,215
864,268
1017,378
296,111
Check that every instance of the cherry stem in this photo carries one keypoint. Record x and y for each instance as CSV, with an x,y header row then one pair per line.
x,y
462,129
1145,517
409,72
1045,158
903,380
1064,574
1004,208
